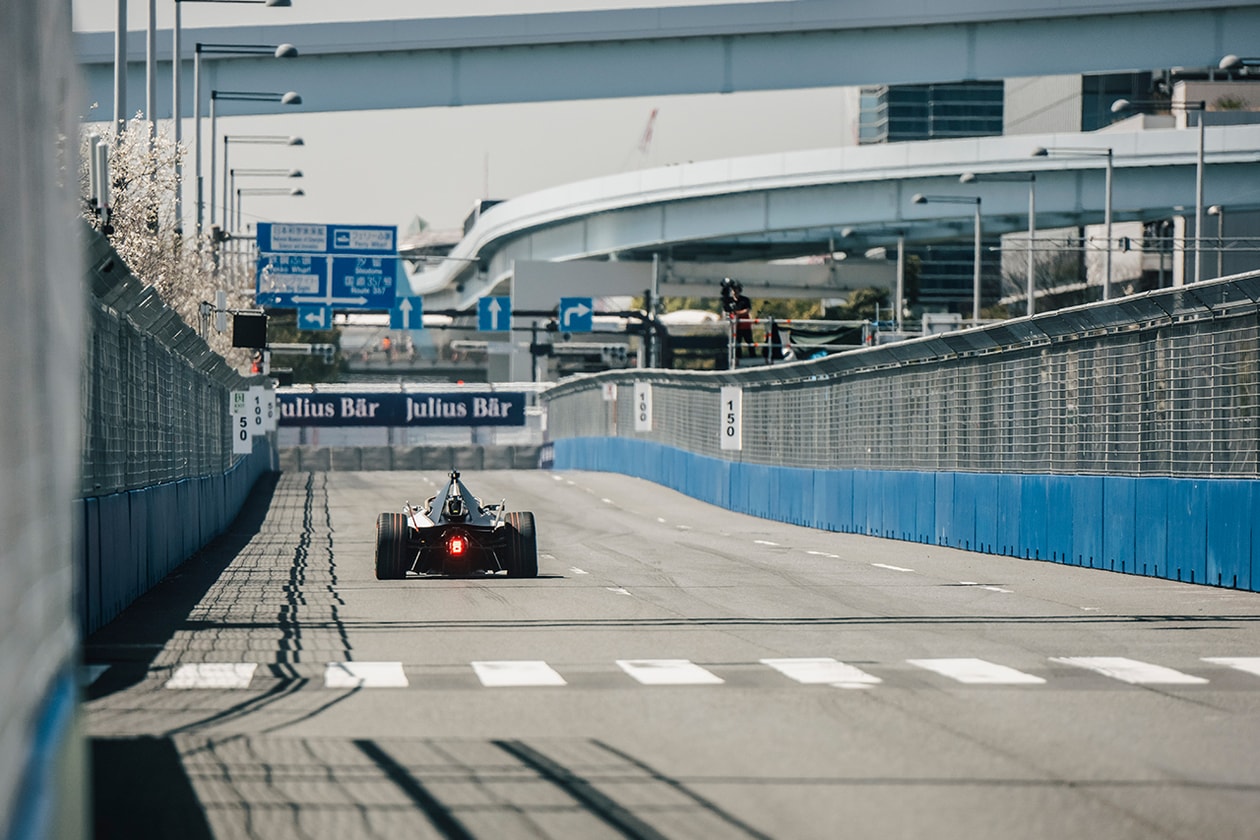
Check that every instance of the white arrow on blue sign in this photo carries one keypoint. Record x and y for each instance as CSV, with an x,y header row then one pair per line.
x,y
407,314
315,317
494,314
576,314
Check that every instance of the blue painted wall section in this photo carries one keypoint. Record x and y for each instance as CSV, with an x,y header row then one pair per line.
x,y
1193,530
132,540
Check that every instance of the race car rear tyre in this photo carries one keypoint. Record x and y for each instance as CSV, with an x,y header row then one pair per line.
x,y
391,546
522,545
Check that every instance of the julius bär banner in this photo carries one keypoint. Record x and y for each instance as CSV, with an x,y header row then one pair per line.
x,y
482,408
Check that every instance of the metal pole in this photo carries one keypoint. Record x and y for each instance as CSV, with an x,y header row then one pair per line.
x,y
975,291
120,69
1032,237
1220,242
656,291
197,134
901,278
150,98
212,156
1107,279
227,196
1198,200
177,118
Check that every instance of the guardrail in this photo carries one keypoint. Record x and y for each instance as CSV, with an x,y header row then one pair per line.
x,y
158,478
1116,435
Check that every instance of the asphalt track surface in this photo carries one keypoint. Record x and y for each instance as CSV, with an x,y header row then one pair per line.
x,y
675,671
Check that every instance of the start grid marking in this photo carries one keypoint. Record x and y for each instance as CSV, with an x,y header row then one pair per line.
x,y
821,670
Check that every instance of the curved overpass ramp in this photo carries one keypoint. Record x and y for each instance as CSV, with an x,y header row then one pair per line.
x,y
813,202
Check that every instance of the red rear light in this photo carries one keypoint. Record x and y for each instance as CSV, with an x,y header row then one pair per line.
x,y
457,545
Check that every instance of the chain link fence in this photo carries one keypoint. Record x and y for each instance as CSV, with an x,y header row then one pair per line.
x,y
155,398
1162,384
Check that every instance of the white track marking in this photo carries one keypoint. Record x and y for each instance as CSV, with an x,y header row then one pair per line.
x,y
824,554
607,501
977,672
683,527
520,672
891,568
668,672
555,477
365,674
660,519
1250,664
213,675
617,589
823,670
997,589
89,674
1131,671
764,542
577,571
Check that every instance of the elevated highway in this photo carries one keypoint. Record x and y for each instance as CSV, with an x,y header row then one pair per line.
x,y
853,198
478,60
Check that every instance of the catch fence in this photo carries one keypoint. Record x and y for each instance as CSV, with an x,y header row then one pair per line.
x,y
1161,384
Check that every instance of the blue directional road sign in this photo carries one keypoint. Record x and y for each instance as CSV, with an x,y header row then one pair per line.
x,y
407,314
576,314
315,317
364,282
284,277
301,238
342,266
494,314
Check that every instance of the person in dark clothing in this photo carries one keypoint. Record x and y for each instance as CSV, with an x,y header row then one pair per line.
x,y
738,309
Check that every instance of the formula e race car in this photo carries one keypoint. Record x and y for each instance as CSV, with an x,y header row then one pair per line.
x,y
455,534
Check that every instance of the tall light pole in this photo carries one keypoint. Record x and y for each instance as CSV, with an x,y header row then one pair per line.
x,y
231,217
279,51
296,192
920,198
176,100
1121,105
1109,154
1219,212
1031,178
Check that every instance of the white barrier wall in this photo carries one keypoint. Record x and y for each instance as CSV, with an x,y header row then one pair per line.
x,y
41,310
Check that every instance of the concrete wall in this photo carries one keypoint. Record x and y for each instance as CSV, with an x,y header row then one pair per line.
x,y
1188,529
41,314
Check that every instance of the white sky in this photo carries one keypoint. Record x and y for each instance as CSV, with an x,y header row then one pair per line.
x,y
386,167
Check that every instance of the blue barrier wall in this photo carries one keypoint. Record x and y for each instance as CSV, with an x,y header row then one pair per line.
x,y
1187,529
133,539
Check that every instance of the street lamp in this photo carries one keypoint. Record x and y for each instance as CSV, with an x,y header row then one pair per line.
x,y
1031,178
920,198
1121,105
278,51
1233,62
1219,212
176,103
289,98
233,219
1109,154
295,192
